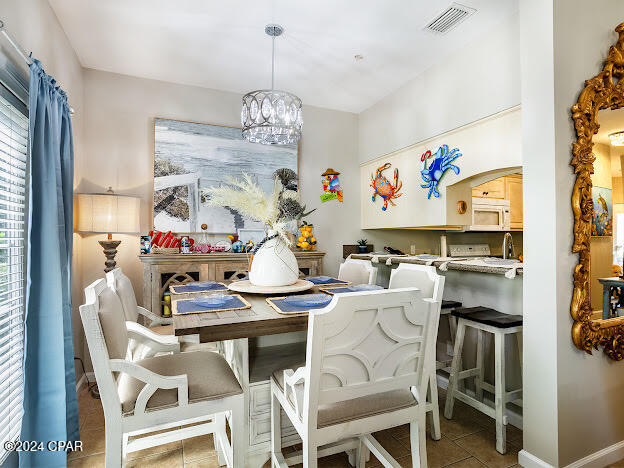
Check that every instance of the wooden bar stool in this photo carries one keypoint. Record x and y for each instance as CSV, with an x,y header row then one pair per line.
x,y
445,311
483,320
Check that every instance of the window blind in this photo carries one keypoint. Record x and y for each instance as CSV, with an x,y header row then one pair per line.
x,y
13,219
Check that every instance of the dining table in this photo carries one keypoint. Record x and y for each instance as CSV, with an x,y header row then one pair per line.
x,y
234,332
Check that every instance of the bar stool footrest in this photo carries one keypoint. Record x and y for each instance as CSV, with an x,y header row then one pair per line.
x,y
476,404
468,373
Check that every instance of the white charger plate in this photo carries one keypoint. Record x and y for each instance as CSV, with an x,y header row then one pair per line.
x,y
245,286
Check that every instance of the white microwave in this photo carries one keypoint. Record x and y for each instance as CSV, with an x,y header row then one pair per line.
x,y
490,214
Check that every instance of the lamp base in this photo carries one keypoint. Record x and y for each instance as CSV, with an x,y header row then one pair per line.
x,y
110,250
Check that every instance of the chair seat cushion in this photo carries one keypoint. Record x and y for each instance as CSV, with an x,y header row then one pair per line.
x,y
209,378
358,408
488,316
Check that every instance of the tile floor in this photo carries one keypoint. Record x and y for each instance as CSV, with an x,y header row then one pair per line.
x,y
468,441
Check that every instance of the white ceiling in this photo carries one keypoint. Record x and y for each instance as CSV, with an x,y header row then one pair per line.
x,y
222,44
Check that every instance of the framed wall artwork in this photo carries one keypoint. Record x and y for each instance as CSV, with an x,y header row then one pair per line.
x,y
189,157
603,211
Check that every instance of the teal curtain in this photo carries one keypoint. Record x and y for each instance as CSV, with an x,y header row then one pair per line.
x,y
50,403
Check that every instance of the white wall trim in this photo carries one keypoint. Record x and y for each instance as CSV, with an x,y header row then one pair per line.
x,y
601,458
531,461
445,134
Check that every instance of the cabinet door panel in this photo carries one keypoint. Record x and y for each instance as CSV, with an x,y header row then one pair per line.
x,y
492,189
513,193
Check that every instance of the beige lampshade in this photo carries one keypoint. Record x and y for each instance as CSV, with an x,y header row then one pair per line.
x,y
107,213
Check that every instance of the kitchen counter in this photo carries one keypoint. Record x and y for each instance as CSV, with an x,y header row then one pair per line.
x,y
450,265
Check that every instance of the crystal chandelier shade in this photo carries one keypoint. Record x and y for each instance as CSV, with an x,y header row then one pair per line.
x,y
270,116
617,139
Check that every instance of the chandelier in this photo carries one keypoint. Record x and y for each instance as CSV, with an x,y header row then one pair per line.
x,y
617,139
269,116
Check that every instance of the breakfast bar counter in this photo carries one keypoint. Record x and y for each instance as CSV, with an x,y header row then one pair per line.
x,y
450,264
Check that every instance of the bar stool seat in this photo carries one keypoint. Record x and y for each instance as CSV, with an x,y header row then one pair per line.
x,y
487,316
484,320
450,304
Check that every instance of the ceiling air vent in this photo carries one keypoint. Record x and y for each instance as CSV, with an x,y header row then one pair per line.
x,y
449,18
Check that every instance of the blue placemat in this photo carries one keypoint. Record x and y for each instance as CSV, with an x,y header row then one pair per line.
x,y
283,307
318,280
201,286
188,306
349,289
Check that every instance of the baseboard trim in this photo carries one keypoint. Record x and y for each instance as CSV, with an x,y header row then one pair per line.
x,y
81,382
604,457
528,460
85,379
599,459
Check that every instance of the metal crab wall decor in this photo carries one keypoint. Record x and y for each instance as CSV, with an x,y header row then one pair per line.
x,y
441,163
382,186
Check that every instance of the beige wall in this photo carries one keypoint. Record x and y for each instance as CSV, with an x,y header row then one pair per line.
x,y
35,26
120,141
480,79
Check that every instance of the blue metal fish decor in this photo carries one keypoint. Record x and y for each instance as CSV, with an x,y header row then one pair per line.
x,y
441,163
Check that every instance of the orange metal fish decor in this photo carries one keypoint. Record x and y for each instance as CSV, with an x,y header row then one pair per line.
x,y
382,186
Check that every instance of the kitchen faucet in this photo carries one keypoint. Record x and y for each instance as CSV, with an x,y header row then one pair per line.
x,y
508,247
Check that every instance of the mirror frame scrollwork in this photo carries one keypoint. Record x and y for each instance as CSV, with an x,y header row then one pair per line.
x,y
604,91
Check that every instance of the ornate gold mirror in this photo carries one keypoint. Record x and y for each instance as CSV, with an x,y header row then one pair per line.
x,y
598,204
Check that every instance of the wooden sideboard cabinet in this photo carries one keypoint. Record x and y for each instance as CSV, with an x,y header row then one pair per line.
x,y
162,270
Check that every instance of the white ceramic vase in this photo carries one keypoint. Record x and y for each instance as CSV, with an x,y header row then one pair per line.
x,y
274,264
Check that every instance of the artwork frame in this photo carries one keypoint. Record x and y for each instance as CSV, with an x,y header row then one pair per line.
x,y
247,156
255,235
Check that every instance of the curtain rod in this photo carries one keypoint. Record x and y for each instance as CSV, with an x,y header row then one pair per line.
x,y
15,45
20,51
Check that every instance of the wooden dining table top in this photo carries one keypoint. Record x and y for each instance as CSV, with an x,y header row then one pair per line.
x,y
259,320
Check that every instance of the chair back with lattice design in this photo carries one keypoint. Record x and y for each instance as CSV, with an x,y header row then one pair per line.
x,y
425,278
357,271
367,343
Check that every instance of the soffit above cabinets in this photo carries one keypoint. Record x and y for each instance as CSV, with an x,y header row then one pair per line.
x,y
222,45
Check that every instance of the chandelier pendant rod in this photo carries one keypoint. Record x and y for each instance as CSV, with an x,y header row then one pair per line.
x,y
273,63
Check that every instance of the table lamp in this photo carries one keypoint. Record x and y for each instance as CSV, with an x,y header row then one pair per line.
x,y
108,213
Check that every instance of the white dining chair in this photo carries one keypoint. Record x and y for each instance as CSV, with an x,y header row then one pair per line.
x,y
365,371
357,271
431,284
157,393
122,285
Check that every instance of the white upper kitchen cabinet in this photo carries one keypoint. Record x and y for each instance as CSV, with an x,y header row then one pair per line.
x,y
490,145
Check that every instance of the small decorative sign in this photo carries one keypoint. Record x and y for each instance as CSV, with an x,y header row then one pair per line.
x,y
331,186
437,168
